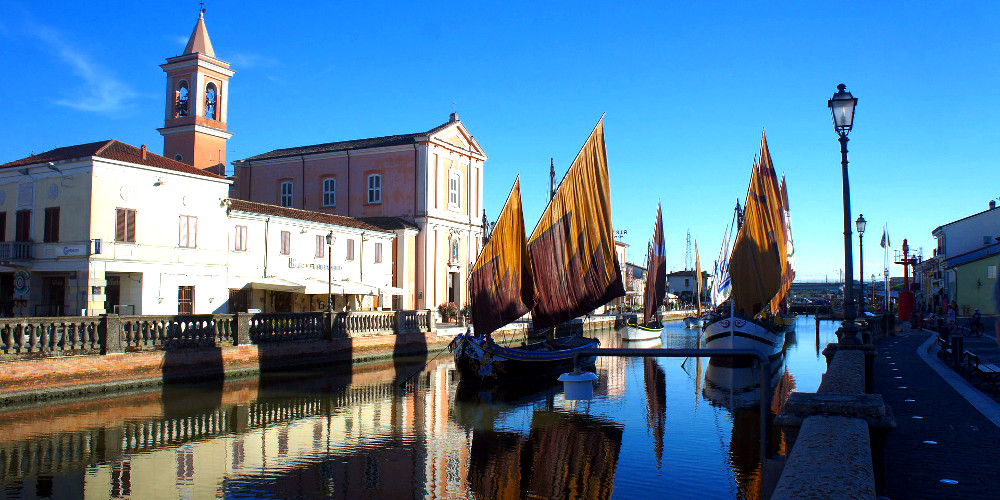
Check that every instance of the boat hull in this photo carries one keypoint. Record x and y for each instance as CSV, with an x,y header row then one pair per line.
x,y
787,321
485,361
634,332
743,333
693,322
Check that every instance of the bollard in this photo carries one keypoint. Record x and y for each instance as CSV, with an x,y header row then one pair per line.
x,y
957,347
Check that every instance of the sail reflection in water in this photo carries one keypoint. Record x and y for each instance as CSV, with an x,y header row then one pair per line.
x,y
736,388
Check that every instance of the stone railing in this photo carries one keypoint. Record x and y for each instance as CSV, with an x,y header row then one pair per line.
x,y
283,327
25,338
837,434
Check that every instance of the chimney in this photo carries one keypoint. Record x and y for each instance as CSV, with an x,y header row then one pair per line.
x,y
993,204
143,150
453,117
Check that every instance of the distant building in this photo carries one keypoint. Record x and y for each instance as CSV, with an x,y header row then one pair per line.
x,y
683,284
959,243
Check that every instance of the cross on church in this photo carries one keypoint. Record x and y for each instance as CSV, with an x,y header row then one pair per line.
x,y
202,6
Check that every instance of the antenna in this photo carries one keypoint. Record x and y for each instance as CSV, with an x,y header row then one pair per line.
x,y
552,178
687,252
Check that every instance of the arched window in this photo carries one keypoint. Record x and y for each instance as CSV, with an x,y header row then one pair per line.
x,y
329,192
181,104
375,188
286,193
211,101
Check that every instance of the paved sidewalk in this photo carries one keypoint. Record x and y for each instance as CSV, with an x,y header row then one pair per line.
x,y
947,443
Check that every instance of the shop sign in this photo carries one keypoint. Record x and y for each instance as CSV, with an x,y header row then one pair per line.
x,y
22,282
295,264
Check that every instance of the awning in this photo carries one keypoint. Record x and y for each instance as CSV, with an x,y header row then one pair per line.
x,y
391,290
276,284
354,288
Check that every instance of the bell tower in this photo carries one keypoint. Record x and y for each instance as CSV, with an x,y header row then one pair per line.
x,y
194,127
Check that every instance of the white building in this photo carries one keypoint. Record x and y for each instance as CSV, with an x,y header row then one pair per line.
x,y
280,260
106,226
959,237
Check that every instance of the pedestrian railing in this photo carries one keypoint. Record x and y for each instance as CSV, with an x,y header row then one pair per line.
x,y
25,338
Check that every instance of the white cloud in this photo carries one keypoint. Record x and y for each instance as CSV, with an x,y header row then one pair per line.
x,y
247,61
100,91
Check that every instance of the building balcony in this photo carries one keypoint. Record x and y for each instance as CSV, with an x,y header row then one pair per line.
x,y
15,251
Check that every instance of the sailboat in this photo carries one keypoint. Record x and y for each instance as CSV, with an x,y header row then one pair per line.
x,y
784,316
758,270
656,287
696,321
570,256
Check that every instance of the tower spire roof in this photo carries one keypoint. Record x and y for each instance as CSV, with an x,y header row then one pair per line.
x,y
199,41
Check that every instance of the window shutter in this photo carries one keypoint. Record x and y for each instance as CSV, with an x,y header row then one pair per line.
x,y
130,225
183,239
120,224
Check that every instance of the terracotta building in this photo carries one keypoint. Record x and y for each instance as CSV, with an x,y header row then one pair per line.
x,y
430,181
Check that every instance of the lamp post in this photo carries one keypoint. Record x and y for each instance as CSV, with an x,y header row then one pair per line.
x,y
329,272
860,225
842,108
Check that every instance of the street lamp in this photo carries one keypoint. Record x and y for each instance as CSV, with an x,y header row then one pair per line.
x,y
329,272
860,225
842,108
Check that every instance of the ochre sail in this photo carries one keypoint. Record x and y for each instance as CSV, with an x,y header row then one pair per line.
x,y
500,283
572,248
656,271
758,256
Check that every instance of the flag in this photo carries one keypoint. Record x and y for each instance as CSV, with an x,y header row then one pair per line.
x,y
885,238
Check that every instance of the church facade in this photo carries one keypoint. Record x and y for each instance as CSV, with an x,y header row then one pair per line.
x,y
431,181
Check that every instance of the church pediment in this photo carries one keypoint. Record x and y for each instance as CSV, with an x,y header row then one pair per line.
x,y
457,135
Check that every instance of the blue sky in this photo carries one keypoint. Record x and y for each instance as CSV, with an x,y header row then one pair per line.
x,y
687,88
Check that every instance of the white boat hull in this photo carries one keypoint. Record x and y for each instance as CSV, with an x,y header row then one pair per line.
x,y
693,322
632,332
741,333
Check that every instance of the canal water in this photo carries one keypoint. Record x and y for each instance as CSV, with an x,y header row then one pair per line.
x,y
668,427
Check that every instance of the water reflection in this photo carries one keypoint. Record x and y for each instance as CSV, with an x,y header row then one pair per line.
x,y
354,433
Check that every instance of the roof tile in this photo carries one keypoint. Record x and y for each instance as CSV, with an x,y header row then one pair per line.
x,y
306,215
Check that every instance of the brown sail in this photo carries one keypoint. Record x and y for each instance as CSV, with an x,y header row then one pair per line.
x,y
500,284
756,264
656,272
572,247
697,277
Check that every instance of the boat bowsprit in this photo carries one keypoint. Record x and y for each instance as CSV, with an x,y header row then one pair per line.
x,y
483,359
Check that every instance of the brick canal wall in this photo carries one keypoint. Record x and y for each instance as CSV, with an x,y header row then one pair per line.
x,y
53,377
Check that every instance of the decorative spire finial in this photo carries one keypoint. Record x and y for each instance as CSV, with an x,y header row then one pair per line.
x,y
202,2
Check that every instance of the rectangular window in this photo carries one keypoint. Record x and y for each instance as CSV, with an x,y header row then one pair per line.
x,y
241,239
51,230
286,193
125,225
375,188
350,250
991,271
22,226
188,232
329,192
185,300
454,190
3,226
286,243
320,246
378,253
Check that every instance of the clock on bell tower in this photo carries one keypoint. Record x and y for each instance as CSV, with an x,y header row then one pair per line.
x,y
194,127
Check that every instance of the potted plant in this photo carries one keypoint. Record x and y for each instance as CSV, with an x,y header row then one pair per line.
x,y
465,314
448,311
